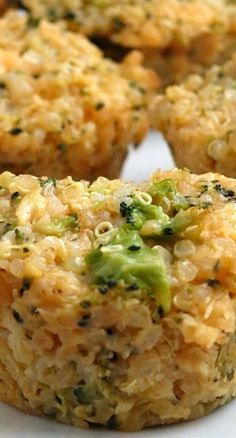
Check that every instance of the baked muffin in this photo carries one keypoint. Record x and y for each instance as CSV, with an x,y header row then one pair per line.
x,y
139,23
198,120
175,63
64,108
177,37
214,45
117,304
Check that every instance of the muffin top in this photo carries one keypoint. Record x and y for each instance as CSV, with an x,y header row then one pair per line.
x,y
156,23
167,245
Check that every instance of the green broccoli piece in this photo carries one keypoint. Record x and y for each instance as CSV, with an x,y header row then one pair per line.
x,y
167,189
150,220
173,227
117,263
58,227
136,213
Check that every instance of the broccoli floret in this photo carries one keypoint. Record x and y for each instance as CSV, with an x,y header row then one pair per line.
x,y
167,189
173,227
136,213
59,226
144,268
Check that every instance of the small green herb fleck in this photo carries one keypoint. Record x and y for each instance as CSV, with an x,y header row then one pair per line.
x,y
226,193
112,423
133,287
25,286
14,196
212,282
137,86
17,316
7,227
118,24
15,131
32,22
69,16
111,283
85,304
34,310
87,394
110,331
84,320
134,248
103,289
99,106
52,15
19,235
58,399
204,188
62,147
45,181
168,231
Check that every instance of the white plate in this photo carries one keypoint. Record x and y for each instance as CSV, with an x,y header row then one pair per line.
x,y
152,155
13,424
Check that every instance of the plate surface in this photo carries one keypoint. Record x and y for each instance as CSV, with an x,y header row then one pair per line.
x,y
13,424
153,154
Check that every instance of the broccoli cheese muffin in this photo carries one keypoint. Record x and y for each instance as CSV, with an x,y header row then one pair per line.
x,y
117,302
175,64
138,23
177,37
64,108
213,46
198,120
